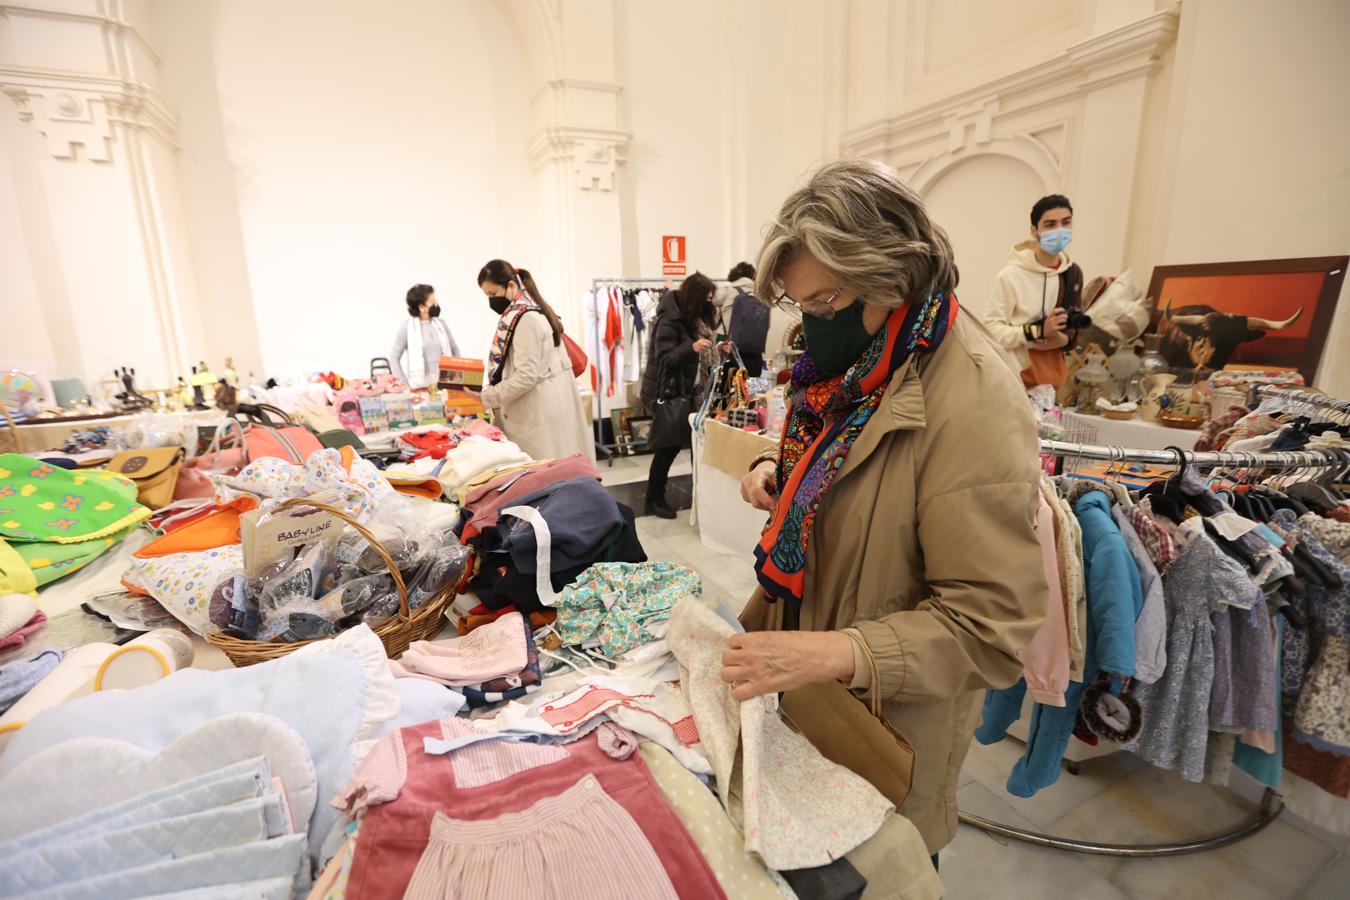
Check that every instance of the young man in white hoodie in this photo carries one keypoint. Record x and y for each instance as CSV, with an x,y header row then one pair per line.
x,y
1029,302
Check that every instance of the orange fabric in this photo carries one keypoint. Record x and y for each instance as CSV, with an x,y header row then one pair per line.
x,y
348,457
427,488
1047,367
219,529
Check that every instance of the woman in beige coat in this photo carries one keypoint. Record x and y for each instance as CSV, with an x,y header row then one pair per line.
x,y
529,376
904,489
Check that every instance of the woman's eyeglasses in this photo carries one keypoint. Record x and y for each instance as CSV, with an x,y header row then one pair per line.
x,y
821,309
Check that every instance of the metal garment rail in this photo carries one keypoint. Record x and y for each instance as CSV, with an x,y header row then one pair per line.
x,y
1271,802
1303,397
603,450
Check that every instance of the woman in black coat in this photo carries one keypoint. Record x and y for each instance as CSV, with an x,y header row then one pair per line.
x,y
683,333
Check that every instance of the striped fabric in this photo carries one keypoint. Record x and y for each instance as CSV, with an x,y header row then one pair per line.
x,y
492,761
570,711
546,852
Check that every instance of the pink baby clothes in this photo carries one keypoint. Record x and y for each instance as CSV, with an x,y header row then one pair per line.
x,y
17,637
574,843
1045,660
401,787
490,651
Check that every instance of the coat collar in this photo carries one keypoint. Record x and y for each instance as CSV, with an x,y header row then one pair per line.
x,y
902,408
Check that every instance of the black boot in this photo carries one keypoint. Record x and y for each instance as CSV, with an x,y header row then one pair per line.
x,y
657,506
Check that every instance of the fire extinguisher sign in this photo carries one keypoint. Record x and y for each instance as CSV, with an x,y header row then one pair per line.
x,y
674,260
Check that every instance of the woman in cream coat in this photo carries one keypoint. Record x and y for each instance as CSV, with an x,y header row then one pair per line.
x,y
529,377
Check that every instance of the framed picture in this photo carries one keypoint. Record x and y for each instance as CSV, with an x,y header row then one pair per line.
x,y
640,430
621,438
1274,313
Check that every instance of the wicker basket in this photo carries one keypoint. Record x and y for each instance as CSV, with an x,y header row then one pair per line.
x,y
409,625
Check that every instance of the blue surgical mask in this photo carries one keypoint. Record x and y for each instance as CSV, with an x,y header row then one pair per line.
x,y
1055,240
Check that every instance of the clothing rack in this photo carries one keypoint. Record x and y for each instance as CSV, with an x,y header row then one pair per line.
x,y
1298,397
1271,802
605,450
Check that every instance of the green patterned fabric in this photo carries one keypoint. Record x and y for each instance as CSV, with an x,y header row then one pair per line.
x,y
44,503
618,602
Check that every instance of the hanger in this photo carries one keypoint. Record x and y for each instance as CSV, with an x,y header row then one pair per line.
x,y
1117,491
1166,496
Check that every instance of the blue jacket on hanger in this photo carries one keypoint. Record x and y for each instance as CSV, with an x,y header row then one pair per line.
x,y
1115,597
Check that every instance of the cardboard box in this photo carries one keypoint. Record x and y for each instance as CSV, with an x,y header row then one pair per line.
x,y
459,373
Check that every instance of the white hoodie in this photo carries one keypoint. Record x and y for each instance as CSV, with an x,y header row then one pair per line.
x,y
1024,291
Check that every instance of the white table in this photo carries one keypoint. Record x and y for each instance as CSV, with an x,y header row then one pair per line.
x,y
1135,434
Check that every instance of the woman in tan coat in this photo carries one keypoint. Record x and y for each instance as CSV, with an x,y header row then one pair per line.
x,y
904,489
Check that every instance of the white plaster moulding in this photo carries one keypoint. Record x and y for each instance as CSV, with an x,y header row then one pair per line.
x,y
131,104
1098,62
562,142
90,18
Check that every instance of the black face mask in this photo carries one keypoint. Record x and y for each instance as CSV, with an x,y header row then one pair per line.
x,y
499,304
434,312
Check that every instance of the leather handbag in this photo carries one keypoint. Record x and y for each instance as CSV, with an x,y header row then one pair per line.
x,y
577,356
670,411
853,734
154,470
195,479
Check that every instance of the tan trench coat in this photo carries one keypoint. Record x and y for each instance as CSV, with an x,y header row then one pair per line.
x,y
926,544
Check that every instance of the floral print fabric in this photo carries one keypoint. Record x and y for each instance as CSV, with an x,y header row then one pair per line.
x,y
770,778
184,583
358,491
619,603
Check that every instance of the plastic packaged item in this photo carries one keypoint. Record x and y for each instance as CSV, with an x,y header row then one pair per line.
x,y
233,608
384,605
73,628
355,596
132,611
313,573
443,565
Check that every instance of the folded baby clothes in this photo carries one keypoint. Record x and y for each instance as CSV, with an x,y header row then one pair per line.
x,y
15,612
476,454
16,637
20,677
496,650
508,687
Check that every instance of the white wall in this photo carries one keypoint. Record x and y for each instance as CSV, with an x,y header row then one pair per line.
x,y
367,155
1253,160
330,154
983,234
25,340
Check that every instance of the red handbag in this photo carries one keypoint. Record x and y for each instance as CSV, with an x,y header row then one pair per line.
x,y
577,356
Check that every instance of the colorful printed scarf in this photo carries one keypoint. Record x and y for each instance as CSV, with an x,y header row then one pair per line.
x,y
811,454
501,339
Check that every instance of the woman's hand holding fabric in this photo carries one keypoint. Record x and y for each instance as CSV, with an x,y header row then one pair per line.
x,y
702,344
768,662
758,487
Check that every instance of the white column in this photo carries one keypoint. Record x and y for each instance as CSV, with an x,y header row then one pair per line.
x,y
98,146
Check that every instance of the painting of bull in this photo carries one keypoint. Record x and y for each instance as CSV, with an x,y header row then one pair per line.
x,y
1201,337
1264,314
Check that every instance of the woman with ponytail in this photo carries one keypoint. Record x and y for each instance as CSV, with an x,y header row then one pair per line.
x,y
529,376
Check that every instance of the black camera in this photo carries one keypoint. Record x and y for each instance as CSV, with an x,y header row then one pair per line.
x,y
1077,319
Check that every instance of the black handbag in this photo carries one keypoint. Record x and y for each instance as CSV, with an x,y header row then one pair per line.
x,y
670,412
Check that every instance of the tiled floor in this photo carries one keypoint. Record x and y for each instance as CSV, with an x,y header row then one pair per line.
x,y
1115,799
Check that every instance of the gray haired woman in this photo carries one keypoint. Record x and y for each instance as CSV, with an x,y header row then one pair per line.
x,y
904,490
